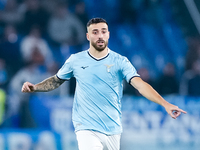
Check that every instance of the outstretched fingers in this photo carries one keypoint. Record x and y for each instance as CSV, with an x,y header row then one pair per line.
x,y
180,110
177,112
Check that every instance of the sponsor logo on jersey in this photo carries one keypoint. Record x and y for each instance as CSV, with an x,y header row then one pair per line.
x,y
83,67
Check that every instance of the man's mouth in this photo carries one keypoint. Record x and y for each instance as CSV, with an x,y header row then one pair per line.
x,y
100,42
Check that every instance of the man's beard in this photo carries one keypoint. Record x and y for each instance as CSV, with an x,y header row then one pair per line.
x,y
99,47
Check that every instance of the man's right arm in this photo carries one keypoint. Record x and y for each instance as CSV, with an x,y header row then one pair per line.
x,y
48,84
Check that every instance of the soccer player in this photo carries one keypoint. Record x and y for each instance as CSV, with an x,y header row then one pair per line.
x,y
99,74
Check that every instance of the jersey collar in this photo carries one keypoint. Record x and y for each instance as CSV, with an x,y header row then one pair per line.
x,y
98,59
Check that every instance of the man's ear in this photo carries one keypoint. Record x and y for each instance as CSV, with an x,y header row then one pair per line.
x,y
87,36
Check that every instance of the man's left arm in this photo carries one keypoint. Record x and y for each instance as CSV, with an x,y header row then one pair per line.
x,y
147,91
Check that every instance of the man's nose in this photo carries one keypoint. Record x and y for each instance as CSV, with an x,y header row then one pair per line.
x,y
100,35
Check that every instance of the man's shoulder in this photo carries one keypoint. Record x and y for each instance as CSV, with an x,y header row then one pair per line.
x,y
116,55
80,54
76,56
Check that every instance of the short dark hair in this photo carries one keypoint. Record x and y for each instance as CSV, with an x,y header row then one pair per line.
x,y
95,21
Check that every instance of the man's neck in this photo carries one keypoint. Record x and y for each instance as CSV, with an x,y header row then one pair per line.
x,y
98,54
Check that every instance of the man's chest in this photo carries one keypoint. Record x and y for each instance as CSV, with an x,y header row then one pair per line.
x,y
101,71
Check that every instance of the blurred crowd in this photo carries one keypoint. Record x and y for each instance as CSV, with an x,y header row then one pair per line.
x,y
37,36
35,39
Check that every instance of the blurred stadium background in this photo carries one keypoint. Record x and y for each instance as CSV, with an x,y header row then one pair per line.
x,y
160,38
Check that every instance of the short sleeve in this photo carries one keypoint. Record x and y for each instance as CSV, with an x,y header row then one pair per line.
x,y
66,71
128,70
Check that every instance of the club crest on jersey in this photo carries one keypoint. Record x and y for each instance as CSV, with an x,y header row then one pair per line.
x,y
108,67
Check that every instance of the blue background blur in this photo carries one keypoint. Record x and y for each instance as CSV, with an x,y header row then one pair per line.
x,y
159,37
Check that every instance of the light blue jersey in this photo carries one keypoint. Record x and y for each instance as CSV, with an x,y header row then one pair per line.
x,y
97,100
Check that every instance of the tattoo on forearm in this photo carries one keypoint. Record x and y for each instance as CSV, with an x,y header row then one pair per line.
x,y
49,84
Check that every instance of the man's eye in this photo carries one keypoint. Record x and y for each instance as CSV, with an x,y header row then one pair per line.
x,y
94,32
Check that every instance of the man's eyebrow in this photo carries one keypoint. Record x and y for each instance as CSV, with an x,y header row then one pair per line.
x,y
95,30
101,29
104,29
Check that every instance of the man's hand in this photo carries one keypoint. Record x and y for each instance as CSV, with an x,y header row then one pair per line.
x,y
28,87
147,91
174,111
